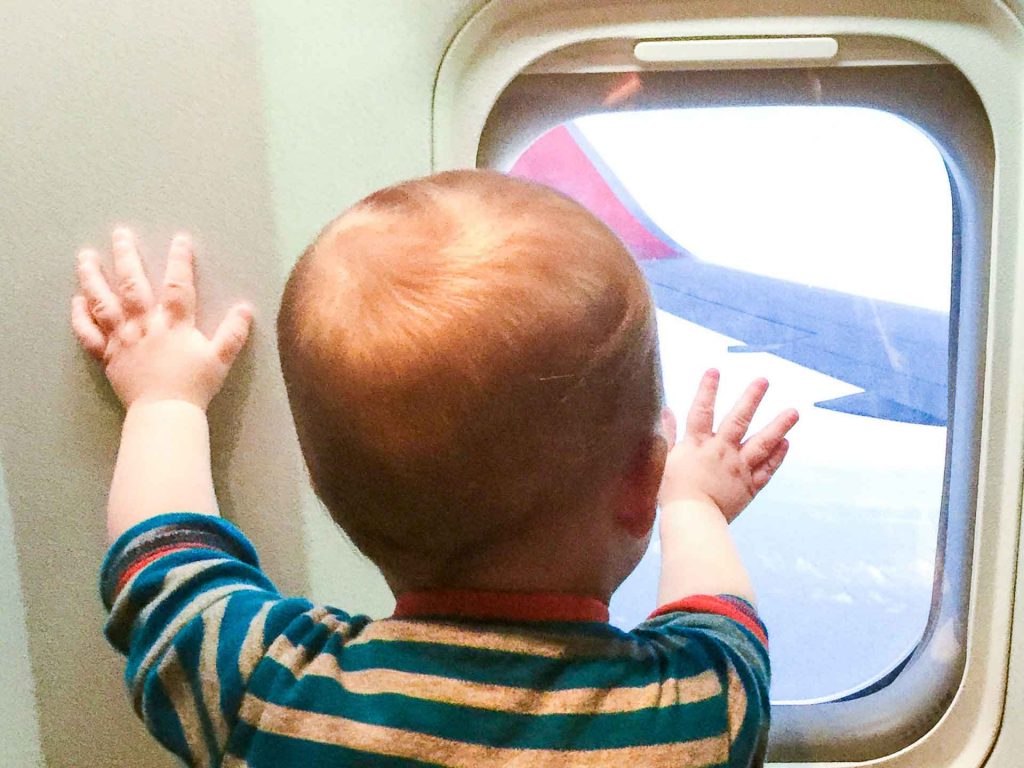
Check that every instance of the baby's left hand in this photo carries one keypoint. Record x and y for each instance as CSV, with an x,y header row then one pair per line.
x,y
148,343
722,468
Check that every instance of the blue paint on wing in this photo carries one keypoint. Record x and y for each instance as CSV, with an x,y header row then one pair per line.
x,y
897,354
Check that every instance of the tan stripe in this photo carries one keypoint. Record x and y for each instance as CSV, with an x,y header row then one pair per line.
x,y
172,579
548,645
737,707
294,657
503,698
395,742
252,646
123,612
209,679
174,680
230,761
200,603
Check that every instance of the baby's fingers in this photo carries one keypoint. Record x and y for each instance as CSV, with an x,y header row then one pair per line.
x,y
136,294
178,294
758,448
86,331
102,303
762,474
736,423
702,413
232,333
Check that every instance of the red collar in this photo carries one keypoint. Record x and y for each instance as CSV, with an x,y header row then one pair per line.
x,y
507,606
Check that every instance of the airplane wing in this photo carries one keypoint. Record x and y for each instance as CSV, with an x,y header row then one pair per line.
x,y
897,354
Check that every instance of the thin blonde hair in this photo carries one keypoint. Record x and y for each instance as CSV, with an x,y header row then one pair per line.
x,y
468,357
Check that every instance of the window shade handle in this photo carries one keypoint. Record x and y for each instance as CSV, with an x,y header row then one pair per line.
x,y
760,49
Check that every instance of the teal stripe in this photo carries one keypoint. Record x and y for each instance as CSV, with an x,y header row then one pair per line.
x,y
704,629
187,645
148,585
307,631
268,750
518,670
241,739
238,615
681,722
754,730
163,721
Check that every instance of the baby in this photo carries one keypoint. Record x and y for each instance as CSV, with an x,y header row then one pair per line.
x,y
471,363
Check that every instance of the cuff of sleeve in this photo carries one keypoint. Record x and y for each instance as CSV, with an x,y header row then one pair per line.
x,y
151,539
730,606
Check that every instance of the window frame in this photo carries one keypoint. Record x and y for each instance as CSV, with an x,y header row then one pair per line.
x,y
501,43
907,702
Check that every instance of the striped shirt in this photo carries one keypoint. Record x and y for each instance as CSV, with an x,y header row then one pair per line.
x,y
226,671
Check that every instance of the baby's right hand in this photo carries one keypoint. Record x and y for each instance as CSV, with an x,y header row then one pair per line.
x,y
147,340
717,467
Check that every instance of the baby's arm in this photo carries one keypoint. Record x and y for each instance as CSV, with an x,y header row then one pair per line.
x,y
189,605
164,370
710,477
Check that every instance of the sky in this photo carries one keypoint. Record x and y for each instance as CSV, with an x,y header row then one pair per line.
x,y
848,198
841,545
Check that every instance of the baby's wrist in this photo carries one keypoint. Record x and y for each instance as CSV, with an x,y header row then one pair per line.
x,y
688,511
164,407
690,520
689,500
166,393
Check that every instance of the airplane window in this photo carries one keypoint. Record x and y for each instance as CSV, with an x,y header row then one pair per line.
x,y
812,245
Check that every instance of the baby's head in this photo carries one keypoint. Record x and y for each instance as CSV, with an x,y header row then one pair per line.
x,y
471,363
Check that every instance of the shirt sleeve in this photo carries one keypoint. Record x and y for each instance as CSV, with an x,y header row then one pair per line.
x,y
194,614
726,631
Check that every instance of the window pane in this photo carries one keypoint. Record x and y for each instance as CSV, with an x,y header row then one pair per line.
x,y
811,245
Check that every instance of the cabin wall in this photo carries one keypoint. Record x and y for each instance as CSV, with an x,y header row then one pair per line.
x,y
19,729
250,124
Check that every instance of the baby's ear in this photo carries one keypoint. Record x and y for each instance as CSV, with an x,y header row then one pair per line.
x,y
640,484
